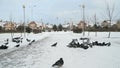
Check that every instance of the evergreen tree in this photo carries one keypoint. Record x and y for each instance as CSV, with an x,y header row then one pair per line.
x,y
28,29
60,28
20,28
0,27
95,26
54,27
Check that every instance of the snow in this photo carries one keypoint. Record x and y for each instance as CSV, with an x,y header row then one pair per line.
x,y
11,45
41,55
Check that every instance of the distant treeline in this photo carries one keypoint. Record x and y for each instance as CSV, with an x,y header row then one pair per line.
x,y
20,29
97,28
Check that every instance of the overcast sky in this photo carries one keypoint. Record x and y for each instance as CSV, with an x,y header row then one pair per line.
x,y
50,10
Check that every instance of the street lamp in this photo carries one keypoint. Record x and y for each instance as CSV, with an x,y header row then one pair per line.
x,y
83,8
24,19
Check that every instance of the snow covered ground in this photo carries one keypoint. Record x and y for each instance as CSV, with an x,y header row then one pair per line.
x,y
41,55
11,45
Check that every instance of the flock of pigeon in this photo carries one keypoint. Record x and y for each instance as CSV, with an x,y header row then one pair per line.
x,y
16,40
86,44
75,44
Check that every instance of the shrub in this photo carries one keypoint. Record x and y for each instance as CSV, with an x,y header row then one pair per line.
x,y
77,30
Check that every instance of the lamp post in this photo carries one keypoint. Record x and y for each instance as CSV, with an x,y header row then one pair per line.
x,y
83,8
95,24
24,19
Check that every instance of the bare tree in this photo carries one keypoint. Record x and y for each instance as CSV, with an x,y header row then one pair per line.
x,y
94,20
110,13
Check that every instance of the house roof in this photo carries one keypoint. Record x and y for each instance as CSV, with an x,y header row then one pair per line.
x,y
49,25
32,22
37,23
66,25
81,22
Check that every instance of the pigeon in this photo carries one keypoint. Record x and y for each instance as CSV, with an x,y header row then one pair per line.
x,y
17,45
28,40
58,63
54,44
3,47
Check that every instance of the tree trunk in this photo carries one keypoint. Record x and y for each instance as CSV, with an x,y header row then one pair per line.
x,y
109,34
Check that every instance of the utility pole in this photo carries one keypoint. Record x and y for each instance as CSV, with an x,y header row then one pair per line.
x,y
24,19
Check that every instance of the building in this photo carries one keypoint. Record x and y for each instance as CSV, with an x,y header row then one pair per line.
x,y
40,26
2,24
36,26
9,26
66,26
118,24
105,23
32,25
48,27
82,25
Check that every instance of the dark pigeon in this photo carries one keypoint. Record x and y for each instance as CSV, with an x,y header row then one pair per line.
x,y
3,47
54,44
17,45
58,63
28,40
